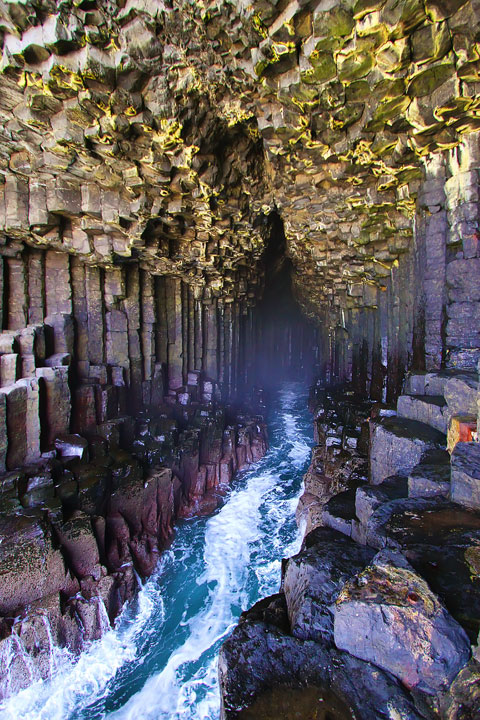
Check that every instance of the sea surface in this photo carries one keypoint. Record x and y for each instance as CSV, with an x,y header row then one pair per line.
x,y
160,661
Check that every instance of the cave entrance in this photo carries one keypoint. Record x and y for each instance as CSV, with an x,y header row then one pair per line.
x,y
287,341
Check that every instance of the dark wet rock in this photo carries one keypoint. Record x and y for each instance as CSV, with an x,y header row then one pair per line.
x,y
339,512
429,478
440,540
336,466
301,703
313,578
71,446
389,616
378,535
462,700
398,444
465,474
272,610
428,409
369,498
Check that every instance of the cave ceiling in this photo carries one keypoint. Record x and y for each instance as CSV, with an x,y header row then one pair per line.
x,y
165,133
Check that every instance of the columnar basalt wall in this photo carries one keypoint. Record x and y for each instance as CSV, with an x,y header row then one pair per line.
x,y
423,313
88,345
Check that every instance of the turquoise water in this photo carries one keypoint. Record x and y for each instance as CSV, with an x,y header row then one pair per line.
x,y
160,662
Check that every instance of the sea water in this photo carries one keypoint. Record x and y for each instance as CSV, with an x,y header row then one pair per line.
x,y
160,661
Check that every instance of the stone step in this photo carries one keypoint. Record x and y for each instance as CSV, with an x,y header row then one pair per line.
x,y
426,383
465,489
428,409
459,388
370,497
431,477
339,512
461,393
440,539
397,444
433,383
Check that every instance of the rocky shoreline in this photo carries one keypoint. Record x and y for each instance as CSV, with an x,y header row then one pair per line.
x,y
81,526
378,613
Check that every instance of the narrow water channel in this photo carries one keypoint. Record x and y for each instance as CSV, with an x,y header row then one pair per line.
x,y
160,661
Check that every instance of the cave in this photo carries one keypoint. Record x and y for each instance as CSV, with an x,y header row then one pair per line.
x,y
239,357
287,341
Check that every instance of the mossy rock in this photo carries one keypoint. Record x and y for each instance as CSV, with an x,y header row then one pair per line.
x,y
358,91
402,16
332,96
408,175
355,66
304,93
323,68
348,115
384,143
338,22
388,111
329,44
424,83
388,89
431,42
443,9
362,7
470,72
393,56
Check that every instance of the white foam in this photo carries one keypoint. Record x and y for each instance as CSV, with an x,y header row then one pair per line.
x,y
78,680
243,546
229,539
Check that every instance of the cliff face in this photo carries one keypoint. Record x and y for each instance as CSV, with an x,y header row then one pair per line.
x,y
166,169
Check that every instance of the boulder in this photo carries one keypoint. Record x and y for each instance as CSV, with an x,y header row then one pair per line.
x,y
260,655
313,579
398,444
389,616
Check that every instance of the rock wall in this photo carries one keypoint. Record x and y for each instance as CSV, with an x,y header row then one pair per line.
x,y
423,313
85,345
